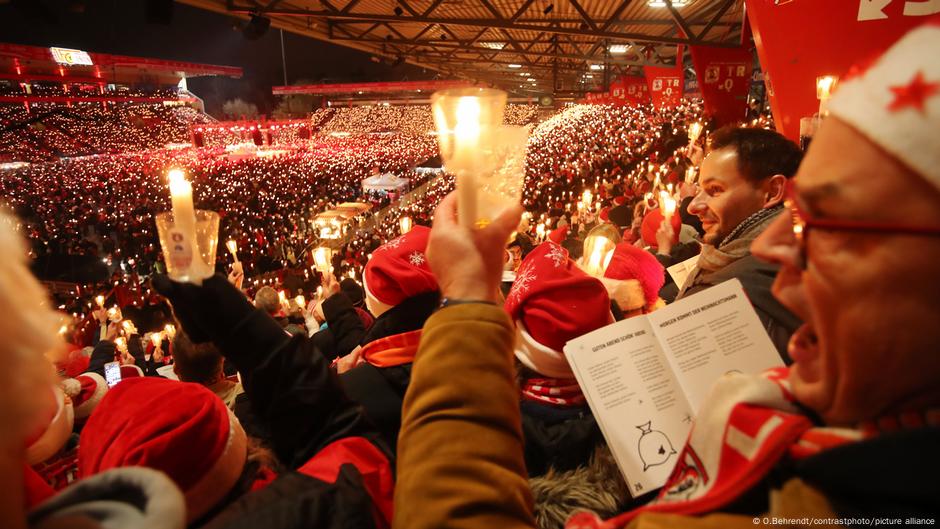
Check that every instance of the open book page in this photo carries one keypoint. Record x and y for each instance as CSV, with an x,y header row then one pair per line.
x,y
635,398
680,271
711,333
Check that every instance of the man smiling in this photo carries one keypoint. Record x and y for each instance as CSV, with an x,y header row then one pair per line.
x,y
741,191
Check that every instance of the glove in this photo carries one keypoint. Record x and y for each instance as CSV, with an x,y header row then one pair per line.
x,y
207,312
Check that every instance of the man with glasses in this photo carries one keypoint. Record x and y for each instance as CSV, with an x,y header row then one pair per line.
x,y
740,193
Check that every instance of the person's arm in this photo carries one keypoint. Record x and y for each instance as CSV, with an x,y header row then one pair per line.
x,y
460,450
344,324
289,383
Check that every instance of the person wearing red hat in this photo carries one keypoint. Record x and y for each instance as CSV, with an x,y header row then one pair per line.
x,y
833,438
402,292
553,301
344,465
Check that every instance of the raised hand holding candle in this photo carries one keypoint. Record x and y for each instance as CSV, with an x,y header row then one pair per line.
x,y
100,301
232,248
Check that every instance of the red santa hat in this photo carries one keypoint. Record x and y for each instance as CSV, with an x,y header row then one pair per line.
x,y
558,235
651,223
634,277
619,201
86,392
54,429
553,301
895,103
398,270
181,429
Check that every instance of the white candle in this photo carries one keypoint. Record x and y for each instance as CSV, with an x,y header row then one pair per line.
x,y
232,248
466,147
184,220
100,301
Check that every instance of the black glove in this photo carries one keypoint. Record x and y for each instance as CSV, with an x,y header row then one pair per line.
x,y
207,312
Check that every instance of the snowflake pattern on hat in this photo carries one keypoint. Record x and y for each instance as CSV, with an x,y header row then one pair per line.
x,y
521,284
416,258
557,255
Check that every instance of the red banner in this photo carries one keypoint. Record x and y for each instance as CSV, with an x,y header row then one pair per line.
x,y
665,85
630,91
800,40
367,88
724,78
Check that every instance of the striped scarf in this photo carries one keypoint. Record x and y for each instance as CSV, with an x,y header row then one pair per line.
x,y
560,392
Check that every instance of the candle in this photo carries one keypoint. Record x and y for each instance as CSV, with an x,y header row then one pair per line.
x,y
232,248
321,257
404,224
100,301
170,330
467,143
301,302
668,205
121,344
690,175
184,224
695,130
156,338
587,197
824,88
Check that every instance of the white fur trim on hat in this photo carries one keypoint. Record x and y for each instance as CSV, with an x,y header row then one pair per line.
x,y
83,410
376,307
215,484
56,434
909,133
539,358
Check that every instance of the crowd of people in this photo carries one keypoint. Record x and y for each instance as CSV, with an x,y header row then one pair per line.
x,y
420,378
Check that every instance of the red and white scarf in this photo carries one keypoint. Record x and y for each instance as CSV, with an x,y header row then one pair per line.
x,y
561,392
746,426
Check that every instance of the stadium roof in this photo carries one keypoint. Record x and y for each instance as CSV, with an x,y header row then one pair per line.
x,y
562,45
32,63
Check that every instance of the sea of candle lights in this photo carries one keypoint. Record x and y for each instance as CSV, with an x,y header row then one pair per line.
x,y
578,160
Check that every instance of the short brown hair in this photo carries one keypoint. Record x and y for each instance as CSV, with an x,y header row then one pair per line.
x,y
199,363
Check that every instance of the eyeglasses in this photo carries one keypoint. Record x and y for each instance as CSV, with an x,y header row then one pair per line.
x,y
803,221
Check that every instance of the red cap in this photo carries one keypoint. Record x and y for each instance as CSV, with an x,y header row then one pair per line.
x,y
558,235
555,300
181,429
399,269
630,262
651,223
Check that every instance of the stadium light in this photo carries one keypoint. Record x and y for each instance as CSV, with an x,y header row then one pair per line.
x,y
514,66
596,67
493,45
619,49
662,3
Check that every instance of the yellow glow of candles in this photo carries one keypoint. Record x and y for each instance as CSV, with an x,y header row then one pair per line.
x,y
319,292
170,330
690,175
404,224
580,206
232,248
301,302
112,312
128,327
100,301
184,216
540,231
669,207
825,85
587,197
467,142
121,344
156,338
321,257
695,130
597,248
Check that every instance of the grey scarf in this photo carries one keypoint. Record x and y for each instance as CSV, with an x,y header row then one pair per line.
x,y
734,246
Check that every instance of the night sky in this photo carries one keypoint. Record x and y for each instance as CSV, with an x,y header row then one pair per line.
x,y
121,27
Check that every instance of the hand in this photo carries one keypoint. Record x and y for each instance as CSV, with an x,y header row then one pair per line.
x,y
237,275
468,262
664,238
100,314
349,361
330,285
696,155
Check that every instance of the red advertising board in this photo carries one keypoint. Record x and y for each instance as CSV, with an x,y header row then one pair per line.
x,y
800,40
630,90
665,85
724,78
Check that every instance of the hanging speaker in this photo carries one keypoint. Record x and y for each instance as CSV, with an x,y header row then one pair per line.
x,y
256,27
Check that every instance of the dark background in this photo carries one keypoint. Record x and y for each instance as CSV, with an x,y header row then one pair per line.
x,y
194,35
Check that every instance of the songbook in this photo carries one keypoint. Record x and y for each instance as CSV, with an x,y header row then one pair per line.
x,y
645,377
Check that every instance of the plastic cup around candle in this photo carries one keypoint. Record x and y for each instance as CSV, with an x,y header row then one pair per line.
x,y
499,186
182,263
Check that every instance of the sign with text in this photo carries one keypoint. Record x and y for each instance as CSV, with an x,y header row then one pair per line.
x,y
70,57
724,77
629,90
800,40
665,85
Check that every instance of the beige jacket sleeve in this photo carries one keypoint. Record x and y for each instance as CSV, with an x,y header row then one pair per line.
x,y
460,451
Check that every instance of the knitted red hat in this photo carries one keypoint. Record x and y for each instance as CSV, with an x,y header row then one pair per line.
x,y
632,263
558,235
399,270
181,429
651,223
86,392
553,301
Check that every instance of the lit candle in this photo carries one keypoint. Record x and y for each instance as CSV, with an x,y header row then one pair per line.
x,y
404,224
100,301
668,205
587,197
157,339
232,248
466,148
695,130
301,302
121,344
321,257
824,87
184,223
170,330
